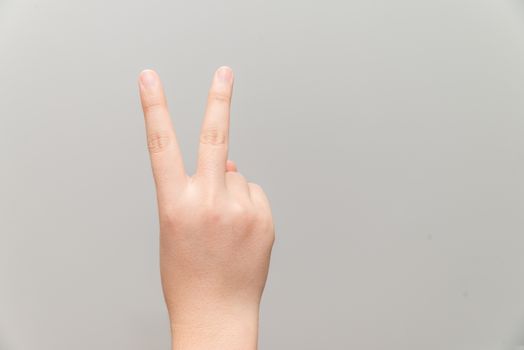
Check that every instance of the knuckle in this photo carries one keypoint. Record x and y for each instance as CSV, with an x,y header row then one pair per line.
x,y
211,214
220,97
158,142
169,218
257,192
213,136
255,187
172,216
243,215
235,177
153,105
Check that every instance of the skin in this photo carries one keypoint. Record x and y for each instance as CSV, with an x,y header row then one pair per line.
x,y
216,228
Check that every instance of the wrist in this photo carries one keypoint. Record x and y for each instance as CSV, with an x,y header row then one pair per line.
x,y
231,327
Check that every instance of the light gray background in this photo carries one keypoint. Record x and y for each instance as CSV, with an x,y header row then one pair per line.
x,y
388,136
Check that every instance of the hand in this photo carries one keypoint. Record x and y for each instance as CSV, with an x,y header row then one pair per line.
x,y
216,228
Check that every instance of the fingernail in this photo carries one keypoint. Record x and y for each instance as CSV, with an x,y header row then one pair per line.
x,y
148,78
225,74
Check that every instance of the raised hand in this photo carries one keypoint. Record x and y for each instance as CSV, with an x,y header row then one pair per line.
x,y
216,228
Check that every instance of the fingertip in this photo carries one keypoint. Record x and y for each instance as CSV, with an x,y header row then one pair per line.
x,y
146,71
148,78
225,74
225,67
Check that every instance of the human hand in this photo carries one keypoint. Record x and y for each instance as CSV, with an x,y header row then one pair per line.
x,y
216,228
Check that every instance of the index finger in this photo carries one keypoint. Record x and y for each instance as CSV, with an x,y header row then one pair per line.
x,y
166,159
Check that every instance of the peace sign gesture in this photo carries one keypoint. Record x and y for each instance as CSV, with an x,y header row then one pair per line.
x,y
216,228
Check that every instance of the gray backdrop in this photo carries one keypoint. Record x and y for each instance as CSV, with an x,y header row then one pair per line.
x,y
388,136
